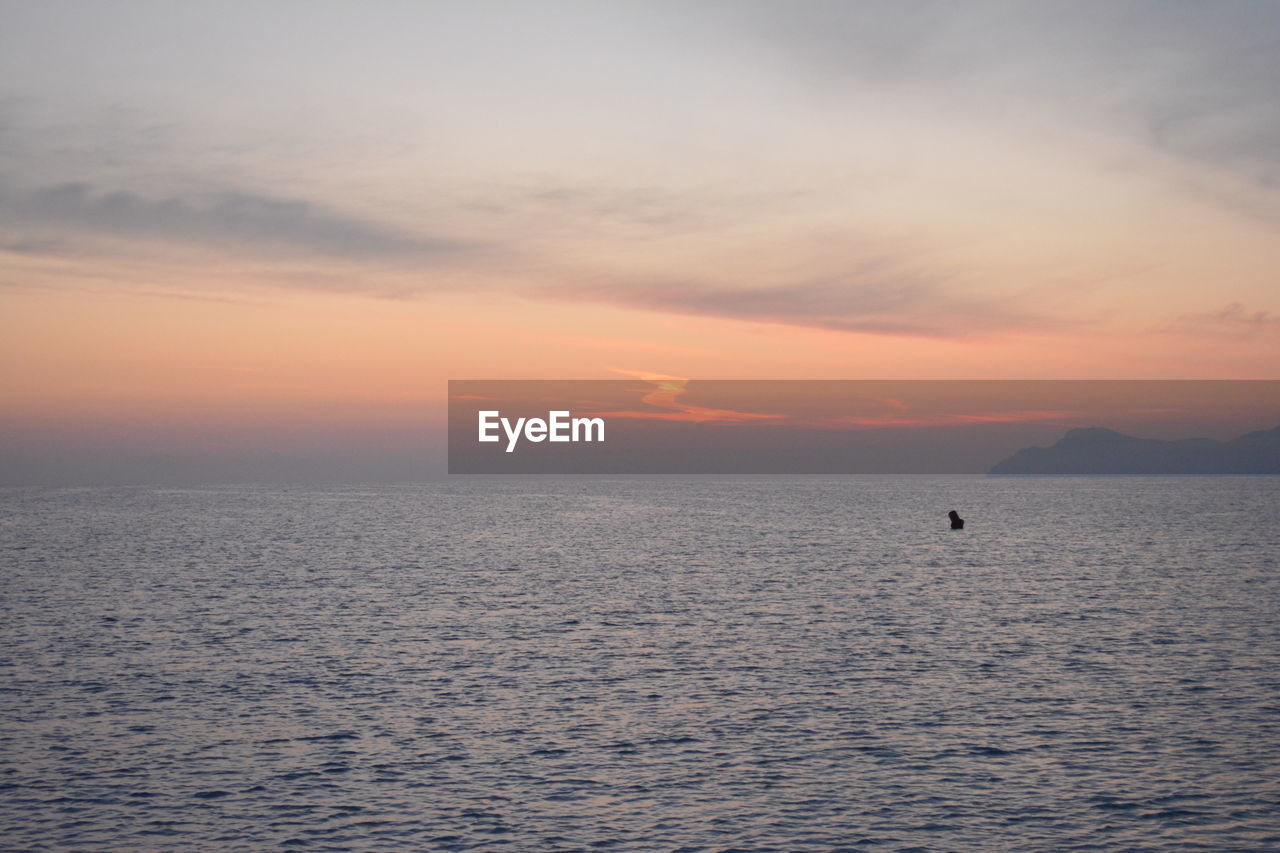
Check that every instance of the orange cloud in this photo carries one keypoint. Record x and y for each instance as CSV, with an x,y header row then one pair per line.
x,y
665,396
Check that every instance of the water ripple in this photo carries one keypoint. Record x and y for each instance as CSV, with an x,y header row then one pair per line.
x,y
653,665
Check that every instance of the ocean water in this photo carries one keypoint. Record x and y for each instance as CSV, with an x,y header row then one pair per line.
x,y
644,665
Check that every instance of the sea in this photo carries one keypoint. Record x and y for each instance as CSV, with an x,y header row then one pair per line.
x,y
733,664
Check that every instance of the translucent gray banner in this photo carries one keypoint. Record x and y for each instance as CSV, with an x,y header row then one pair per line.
x,y
678,426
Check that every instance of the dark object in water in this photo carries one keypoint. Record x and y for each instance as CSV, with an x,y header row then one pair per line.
x,y
957,523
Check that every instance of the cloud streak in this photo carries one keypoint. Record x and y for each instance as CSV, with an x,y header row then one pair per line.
x,y
1232,321
885,303
236,220
1193,80
665,398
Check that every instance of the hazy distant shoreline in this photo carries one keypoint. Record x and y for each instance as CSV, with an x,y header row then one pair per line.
x,y
1100,451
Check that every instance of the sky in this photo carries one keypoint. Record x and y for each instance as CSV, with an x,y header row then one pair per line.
x,y
237,230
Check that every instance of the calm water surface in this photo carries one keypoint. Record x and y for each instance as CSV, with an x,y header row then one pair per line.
x,y
816,665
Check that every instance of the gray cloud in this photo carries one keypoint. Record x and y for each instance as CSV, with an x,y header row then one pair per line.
x,y
1192,79
1218,104
225,220
876,300
636,212
1233,321
879,295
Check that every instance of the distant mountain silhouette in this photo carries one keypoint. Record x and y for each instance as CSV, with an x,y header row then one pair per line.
x,y
1096,450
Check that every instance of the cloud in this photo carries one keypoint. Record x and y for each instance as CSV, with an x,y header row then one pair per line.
x,y
664,398
871,300
1233,321
1186,78
878,295
1218,105
224,220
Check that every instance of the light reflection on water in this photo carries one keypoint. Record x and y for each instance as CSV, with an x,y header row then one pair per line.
x,y
644,665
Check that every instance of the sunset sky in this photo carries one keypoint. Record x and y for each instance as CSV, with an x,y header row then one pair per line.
x,y
243,228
